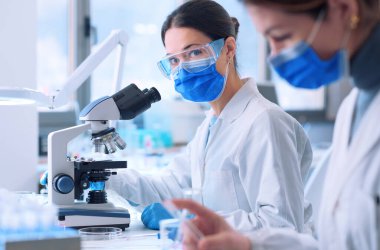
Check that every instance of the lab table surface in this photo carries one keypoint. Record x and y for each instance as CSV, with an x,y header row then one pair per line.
x,y
136,237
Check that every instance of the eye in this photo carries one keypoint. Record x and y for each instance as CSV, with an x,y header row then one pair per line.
x,y
195,53
173,61
282,38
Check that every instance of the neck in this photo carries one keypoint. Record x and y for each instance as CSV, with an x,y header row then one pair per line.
x,y
233,84
365,58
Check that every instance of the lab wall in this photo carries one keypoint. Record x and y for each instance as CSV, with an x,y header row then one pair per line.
x,y
18,119
18,29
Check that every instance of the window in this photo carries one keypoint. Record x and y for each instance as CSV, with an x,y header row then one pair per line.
x,y
52,44
295,99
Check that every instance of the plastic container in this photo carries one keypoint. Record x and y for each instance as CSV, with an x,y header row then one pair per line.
x,y
100,233
170,236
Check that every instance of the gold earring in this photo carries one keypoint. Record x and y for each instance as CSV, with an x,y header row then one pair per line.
x,y
354,22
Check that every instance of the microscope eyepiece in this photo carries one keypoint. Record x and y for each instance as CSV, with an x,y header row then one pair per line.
x,y
131,101
153,94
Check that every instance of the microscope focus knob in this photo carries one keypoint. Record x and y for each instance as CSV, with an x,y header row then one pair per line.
x,y
63,183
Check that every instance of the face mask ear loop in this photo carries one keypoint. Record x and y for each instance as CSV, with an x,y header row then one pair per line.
x,y
225,80
345,67
316,27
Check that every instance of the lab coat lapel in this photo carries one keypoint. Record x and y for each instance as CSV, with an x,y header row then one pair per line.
x,y
366,136
197,168
339,157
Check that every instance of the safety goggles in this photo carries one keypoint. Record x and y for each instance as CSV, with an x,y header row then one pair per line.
x,y
193,60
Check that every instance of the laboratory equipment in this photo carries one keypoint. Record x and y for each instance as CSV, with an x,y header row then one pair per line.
x,y
18,133
100,233
28,223
17,106
69,178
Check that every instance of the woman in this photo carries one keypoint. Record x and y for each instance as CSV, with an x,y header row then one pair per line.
x,y
248,157
310,41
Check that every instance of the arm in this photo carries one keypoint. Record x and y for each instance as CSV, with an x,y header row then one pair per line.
x,y
274,157
144,189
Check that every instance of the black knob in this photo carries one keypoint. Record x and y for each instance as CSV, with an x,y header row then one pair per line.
x,y
63,183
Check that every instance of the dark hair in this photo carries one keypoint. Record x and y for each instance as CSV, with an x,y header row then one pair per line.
x,y
206,16
311,7
369,9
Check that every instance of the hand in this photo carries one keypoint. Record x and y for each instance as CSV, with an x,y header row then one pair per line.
x,y
218,234
152,215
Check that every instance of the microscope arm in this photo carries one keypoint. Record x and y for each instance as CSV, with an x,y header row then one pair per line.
x,y
117,39
57,160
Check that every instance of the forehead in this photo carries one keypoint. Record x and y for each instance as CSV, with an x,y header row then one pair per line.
x,y
265,17
177,39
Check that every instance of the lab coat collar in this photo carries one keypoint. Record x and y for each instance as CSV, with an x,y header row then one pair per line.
x,y
238,103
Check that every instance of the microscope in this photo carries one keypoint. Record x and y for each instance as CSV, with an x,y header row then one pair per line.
x,y
70,178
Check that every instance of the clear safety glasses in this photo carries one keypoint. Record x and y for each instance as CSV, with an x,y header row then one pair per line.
x,y
194,60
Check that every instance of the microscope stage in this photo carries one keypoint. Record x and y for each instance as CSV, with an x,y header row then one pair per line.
x,y
81,217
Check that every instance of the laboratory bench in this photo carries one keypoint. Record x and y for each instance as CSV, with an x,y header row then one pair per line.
x,y
136,237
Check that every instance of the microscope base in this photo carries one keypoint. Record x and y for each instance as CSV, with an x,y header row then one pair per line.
x,y
79,218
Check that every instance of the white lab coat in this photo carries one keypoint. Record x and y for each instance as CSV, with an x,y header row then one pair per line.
x,y
350,212
252,169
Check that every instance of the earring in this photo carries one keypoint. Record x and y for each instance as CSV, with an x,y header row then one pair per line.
x,y
354,22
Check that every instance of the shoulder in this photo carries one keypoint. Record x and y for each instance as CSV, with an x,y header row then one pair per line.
x,y
264,113
267,120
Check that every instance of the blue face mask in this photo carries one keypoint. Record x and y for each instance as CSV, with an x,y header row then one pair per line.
x,y
204,86
302,67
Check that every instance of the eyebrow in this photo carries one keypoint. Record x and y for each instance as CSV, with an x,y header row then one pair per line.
x,y
185,48
270,29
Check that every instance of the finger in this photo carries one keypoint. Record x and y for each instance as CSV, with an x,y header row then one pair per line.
x,y
226,240
194,207
215,241
189,242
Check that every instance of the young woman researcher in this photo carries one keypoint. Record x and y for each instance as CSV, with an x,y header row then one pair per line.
x,y
249,158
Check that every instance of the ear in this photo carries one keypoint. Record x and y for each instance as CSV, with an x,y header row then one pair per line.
x,y
230,47
345,9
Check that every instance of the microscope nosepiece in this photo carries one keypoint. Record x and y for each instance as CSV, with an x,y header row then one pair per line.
x,y
107,141
120,143
98,145
110,146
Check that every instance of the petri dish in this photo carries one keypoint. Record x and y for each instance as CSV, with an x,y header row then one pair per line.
x,y
100,233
